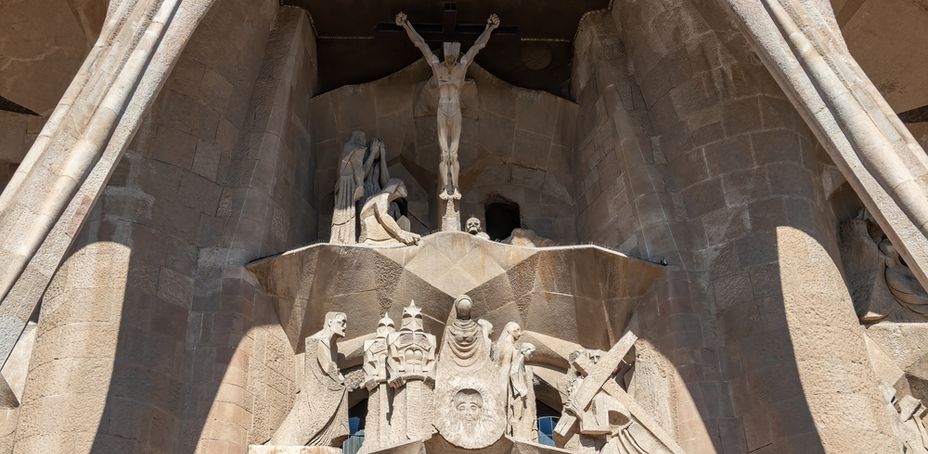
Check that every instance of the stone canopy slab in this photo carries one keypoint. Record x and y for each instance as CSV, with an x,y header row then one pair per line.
x,y
437,444
583,294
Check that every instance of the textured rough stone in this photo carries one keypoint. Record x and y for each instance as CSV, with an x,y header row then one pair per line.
x,y
733,141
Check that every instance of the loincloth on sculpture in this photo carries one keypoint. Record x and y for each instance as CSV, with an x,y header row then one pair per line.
x,y
449,110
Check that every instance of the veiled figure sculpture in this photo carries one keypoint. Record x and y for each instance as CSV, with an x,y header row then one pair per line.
x,y
349,188
470,391
465,343
319,416
378,228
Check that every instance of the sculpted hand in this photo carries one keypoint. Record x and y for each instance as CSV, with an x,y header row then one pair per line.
x,y
401,18
358,193
410,238
571,407
493,21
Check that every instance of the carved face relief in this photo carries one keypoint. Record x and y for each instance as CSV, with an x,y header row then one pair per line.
x,y
473,226
412,318
451,51
468,405
385,327
338,325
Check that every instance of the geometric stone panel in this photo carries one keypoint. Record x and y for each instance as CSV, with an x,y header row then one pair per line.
x,y
584,294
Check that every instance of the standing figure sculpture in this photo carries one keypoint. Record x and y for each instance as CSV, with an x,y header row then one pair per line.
x,y
376,351
449,75
411,365
523,423
349,189
319,416
466,342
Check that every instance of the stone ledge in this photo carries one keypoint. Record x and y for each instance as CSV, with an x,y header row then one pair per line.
x,y
270,449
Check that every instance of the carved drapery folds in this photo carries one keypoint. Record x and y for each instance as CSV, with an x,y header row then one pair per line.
x,y
365,208
475,393
319,416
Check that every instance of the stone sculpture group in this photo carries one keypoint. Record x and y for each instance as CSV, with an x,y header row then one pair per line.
x,y
471,391
366,196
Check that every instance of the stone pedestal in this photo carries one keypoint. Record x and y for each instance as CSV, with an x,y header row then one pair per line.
x,y
451,217
270,449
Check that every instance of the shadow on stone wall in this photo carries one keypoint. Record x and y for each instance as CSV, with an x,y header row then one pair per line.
x,y
515,143
751,340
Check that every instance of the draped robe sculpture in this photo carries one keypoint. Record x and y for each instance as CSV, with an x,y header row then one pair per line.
x,y
469,392
523,423
376,351
377,226
319,416
349,188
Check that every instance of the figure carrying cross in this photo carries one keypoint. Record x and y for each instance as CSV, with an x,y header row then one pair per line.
x,y
449,75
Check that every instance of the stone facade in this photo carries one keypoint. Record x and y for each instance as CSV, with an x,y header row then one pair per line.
x,y
722,253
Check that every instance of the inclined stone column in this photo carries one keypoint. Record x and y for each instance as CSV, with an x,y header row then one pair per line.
x,y
53,191
801,45
112,369
752,337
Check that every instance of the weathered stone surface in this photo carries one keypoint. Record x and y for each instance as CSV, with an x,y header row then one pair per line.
x,y
542,281
677,145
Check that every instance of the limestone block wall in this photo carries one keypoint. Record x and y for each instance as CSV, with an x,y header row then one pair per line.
x,y
515,143
720,178
151,337
17,132
41,49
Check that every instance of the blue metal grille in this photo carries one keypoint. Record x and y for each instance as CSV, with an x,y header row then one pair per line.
x,y
546,426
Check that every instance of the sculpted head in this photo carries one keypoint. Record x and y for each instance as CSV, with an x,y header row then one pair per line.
x,y
385,326
468,405
358,137
396,188
472,226
462,306
336,323
513,330
412,318
451,52
527,349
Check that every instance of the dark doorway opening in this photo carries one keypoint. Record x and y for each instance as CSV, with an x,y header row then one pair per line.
x,y
502,217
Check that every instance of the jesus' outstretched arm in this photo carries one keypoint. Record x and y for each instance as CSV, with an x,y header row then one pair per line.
x,y
416,38
482,40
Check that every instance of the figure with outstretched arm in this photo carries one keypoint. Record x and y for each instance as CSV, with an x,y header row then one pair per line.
x,y
449,76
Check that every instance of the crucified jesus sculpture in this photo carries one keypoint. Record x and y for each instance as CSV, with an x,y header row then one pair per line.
x,y
449,74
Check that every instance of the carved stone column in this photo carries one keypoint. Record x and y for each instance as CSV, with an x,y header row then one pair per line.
x,y
65,171
801,45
